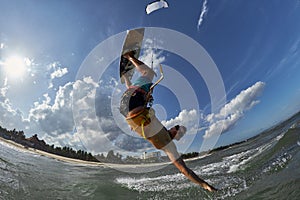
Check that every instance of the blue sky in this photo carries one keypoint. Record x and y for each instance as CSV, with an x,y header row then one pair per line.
x,y
253,44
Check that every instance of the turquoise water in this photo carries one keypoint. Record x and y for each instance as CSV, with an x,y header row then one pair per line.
x,y
266,167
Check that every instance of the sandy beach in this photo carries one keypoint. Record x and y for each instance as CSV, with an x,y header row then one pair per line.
x,y
50,155
123,167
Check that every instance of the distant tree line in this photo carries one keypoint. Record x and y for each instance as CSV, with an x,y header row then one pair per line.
x,y
190,155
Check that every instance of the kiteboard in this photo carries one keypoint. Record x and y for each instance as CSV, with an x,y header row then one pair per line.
x,y
133,42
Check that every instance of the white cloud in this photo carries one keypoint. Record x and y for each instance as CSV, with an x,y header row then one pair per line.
x,y
10,117
91,129
56,71
187,118
28,61
233,111
59,73
204,10
54,119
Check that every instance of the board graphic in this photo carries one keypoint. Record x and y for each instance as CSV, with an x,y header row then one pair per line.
x,y
133,42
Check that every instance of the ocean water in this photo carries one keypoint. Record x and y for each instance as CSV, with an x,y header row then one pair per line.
x,y
265,167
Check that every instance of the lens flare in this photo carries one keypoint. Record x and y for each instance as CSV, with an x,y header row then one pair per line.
x,y
15,66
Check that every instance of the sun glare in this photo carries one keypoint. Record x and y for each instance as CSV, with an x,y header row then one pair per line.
x,y
15,66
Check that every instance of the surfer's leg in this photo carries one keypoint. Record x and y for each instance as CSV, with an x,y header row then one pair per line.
x,y
175,158
144,69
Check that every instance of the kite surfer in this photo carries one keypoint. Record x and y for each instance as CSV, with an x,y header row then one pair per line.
x,y
142,119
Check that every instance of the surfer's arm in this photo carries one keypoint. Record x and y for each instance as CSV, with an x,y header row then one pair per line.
x,y
127,80
144,69
179,163
175,158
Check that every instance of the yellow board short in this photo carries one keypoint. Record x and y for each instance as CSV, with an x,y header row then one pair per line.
x,y
153,131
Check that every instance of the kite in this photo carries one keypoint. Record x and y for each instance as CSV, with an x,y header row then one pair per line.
x,y
156,6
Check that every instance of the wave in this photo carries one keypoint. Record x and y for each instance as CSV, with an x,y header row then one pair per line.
x,y
258,167
240,161
160,183
233,170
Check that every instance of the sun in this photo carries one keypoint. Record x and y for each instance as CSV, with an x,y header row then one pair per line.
x,y
15,66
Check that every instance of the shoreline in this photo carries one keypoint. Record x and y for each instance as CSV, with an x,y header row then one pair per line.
x,y
89,163
50,155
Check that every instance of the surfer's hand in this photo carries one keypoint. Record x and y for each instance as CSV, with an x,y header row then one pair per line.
x,y
129,54
209,188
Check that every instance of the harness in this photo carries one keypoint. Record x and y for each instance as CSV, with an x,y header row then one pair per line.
x,y
134,106
132,98
141,118
136,103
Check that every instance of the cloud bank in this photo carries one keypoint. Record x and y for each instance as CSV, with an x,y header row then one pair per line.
x,y
225,119
233,111
53,118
